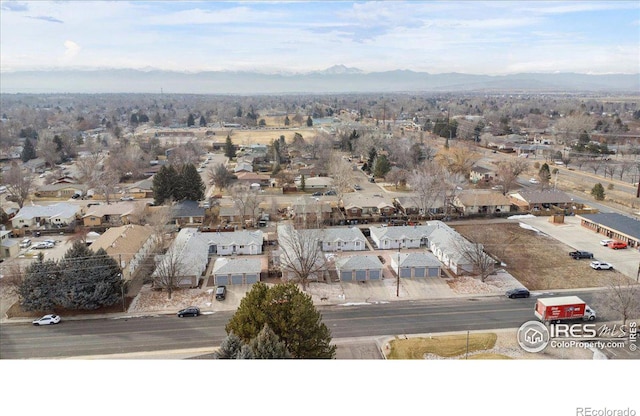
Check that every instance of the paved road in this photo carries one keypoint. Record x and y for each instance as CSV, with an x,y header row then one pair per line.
x,y
78,338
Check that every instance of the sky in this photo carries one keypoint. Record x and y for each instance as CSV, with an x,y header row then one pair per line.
x,y
474,37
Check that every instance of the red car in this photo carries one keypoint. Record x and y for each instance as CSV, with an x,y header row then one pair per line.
x,y
617,244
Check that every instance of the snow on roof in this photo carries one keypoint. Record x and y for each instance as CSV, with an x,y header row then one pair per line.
x,y
226,265
359,262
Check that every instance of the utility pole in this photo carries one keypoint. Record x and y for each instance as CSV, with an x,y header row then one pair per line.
x,y
398,274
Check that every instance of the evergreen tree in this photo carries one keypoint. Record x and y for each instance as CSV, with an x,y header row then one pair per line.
x,y
381,166
291,316
229,148
191,120
28,151
372,157
190,185
229,348
143,118
309,121
90,280
157,119
164,184
203,122
134,118
38,290
266,345
598,192
287,122
303,184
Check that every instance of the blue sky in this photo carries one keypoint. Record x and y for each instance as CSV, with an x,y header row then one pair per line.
x,y
476,37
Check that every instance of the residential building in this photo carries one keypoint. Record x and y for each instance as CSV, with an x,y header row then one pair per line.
x,y
359,268
129,245
56,215
236,271
410,236
482,202
416,265
234,243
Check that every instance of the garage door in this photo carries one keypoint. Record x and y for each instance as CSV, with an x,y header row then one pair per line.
x,y
222,280
434,272
346,276
374,274
251,279
419,272
236,279
405,272
361,275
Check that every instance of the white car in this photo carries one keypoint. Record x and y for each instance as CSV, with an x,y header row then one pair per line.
x,y
601,265
605,242
533,180
47,320
43,244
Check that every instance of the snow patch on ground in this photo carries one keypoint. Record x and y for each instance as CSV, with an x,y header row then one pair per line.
x,y
520,217
528,227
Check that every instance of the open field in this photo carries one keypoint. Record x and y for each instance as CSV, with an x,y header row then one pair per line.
x,y
538,261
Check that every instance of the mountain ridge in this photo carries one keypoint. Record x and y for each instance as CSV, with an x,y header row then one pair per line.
x,y
335,79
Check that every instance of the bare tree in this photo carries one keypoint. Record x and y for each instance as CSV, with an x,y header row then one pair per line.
x,y
427,184
18,183
621,298
169,269
624,167
595,165
483,264
341,172
301,259
159,219
219,176
508,173
245,200
610,169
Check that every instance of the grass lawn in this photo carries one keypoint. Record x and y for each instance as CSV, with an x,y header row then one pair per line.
x,y
443,346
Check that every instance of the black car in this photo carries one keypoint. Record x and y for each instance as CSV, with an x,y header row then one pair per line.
x,y
518,293
190,311
331,192
316,194
221,292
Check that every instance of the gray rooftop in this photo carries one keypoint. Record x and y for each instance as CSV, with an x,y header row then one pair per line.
x,y
237,266
359,262
626,225
425,259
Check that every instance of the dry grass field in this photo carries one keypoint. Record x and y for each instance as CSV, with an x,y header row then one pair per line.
x,y
538,261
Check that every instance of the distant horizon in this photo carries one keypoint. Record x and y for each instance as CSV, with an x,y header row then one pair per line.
x,y
492,38
311,71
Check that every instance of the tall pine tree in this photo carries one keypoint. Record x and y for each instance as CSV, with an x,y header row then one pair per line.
x,y
190,184
164,184
28,151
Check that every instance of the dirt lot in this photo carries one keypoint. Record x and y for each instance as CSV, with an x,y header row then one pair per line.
x,y
538,261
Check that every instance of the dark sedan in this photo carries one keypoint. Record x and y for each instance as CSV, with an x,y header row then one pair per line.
x,y
518,293
190,311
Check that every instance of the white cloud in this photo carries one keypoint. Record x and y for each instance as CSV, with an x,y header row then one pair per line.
x,y
71,49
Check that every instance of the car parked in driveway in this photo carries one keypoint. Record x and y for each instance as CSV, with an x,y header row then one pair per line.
x,y
601,265
43,244
518,293
190,311
221,293
47,320
617,245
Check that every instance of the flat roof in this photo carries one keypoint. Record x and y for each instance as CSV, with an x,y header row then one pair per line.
x,y
562,300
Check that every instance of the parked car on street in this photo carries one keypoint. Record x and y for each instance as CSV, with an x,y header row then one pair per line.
x,y
601,265
357,187
331,192
190,311
47,320
518,293
316,194
617,244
